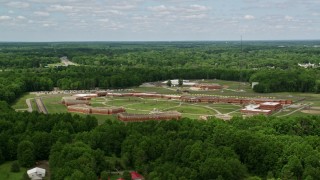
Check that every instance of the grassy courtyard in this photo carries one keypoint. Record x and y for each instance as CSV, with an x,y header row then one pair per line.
x,y
6,174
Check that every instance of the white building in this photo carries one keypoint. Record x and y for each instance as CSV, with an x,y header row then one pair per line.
x,y
307,65
175,82
254,84
36,173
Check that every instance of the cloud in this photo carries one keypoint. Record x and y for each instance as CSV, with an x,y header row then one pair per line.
x,y
5,18
249,17
18,4
61,8
288,18
123,7
21,17
196,7
48,24
315,14
159,8
41,13
180,12
197,16
103,20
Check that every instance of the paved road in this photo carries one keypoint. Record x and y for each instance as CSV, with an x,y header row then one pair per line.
x,y
28,101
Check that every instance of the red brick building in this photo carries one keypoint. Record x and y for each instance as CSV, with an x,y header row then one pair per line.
x,y
265,108
95,110
273,106
127,117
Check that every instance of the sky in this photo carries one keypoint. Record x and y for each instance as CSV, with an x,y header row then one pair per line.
x,y
158,20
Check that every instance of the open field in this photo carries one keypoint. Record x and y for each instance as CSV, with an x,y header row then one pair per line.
x,y
53,103
21,102
6,174
190,110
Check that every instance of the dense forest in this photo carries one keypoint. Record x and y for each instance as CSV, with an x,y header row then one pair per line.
x,y
117,65
77,148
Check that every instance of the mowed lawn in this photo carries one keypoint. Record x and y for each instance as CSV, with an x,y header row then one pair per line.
x,y
196,110
6,174
21,102
154,104
53,103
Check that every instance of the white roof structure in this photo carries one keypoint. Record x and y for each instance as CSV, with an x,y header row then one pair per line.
x,y
36,173
85,95
254,108
270,103
176,82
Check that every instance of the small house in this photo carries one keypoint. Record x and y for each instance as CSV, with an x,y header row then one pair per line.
x,y
36,173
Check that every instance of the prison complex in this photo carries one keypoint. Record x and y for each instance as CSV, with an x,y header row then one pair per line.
x,y
199,99
80,103
215,99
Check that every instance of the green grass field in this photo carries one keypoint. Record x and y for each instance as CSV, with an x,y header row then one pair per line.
x,y
6,174
53,104
34,105
21,102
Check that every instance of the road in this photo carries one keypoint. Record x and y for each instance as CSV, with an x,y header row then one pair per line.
x,y
299,109
28,101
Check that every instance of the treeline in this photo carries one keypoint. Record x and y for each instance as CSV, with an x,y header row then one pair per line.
x,y
28,137
77,148
255,55
122,65
15,83
214,55
26,58
287,81
259,146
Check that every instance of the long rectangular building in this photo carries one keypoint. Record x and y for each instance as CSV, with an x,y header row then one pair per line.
x,y
127,117
216,99
95,110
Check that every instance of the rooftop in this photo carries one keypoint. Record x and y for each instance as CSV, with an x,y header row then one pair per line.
x,y
36,170
253,107
270,103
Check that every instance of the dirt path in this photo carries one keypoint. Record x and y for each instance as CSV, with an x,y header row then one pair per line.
x,y
232,111
28,101
208,107
304,106
172,107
